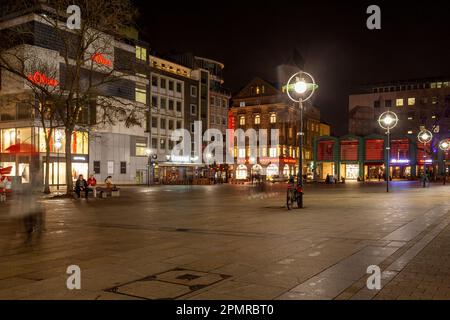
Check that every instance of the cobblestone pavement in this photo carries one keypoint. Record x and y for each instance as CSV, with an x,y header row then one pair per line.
x,y
233,242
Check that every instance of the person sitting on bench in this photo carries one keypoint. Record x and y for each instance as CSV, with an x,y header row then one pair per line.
x,y
81,184
92,184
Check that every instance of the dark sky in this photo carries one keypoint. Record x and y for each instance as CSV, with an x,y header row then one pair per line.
x,y
253,37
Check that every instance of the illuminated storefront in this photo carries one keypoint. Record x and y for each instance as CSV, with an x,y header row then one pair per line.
x,y
326,157
20,162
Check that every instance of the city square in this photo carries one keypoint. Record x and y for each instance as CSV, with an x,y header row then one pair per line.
x,y
240,242
223,159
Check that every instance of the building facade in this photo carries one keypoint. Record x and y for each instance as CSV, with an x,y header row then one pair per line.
x,y
260,105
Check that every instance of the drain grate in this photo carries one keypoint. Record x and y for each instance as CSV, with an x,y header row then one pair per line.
x,y
168,285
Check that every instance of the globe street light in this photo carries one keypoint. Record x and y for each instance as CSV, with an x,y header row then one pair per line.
x,y
301,87
444,145
388,120
425,136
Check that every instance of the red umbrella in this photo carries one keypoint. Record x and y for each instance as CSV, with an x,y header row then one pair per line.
x,y
22,148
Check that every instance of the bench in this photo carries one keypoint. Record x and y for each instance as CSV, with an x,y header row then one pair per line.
x,y
107,192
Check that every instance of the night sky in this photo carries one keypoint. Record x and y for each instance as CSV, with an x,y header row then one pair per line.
x,y
251,38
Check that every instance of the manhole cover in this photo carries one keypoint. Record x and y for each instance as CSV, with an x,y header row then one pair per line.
x,y
168,285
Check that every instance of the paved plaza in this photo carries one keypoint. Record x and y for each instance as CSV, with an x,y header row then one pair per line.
x,y
234,242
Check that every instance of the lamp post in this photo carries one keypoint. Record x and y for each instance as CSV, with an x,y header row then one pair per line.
x,y
388,120
425,136
300,88
148,152
444,145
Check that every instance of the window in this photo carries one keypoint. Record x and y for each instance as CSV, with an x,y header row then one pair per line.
x,y
257,119
242,104
154,122
141,53
388,103
273,152
141,148
154,102
141,94
193,109
154,81
434,100
436,129
123,167
376,104
192,129
162,124
193,91
171,104
162,144
225,103
241,153
170,124
163,103
258,90
163,83
178,87
178,106
224,120
411,101
96,167
410,132
178,124
154,143
171,85
273,118
399,102
242,120
212,101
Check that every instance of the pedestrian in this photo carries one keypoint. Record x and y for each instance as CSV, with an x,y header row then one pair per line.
x,y
81,185
109,183
92,184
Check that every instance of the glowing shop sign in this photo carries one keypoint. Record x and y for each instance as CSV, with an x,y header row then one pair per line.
x,y
39,78
100,59
400,160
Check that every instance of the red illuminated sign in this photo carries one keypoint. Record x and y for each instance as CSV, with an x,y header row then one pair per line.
x,y
100,59
39,78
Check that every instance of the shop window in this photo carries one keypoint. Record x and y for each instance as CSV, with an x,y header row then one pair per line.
x,y
80,143
23,135
123,167
8,138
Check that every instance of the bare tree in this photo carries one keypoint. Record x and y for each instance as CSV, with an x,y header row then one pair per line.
x,y
83,64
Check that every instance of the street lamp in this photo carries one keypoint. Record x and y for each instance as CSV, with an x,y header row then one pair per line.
x,y
301,87
425,136
444,145
148,152
388,120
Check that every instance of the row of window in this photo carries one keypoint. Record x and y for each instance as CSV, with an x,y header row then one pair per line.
x,y
123,167
257,119
218,120
218,102
164,123
165,103
400,102
428,85
164,83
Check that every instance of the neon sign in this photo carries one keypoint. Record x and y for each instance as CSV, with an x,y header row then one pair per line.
x,y
40,78
100,59
400,160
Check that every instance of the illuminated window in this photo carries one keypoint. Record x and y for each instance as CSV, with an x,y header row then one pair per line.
x,y
242,120
273,152
141,53
273,118
141,94
141,148
242,104
257,119
258,90
399,102
411,101
241,153
410,132
434,100
8,138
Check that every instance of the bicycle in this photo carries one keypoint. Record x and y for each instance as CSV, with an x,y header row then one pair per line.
x,y
294,196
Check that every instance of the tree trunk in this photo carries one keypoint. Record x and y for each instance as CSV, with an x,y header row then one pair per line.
x,y
47,166
69,179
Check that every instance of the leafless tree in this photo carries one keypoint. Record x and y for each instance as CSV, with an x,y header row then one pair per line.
x,y
83,64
